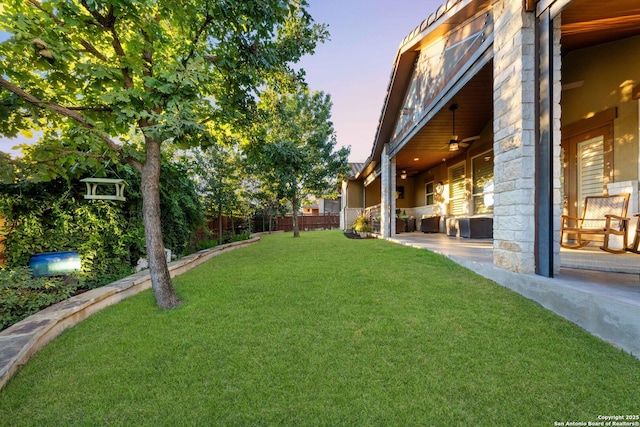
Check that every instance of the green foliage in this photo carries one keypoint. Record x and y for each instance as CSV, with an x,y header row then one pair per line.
x,y
292,148
180,207
53,216
119,79
219,172
240,237
21,295
119,69
109,236
206,244
361,224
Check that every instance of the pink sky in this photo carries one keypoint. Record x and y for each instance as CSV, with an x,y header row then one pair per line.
x,y
355,65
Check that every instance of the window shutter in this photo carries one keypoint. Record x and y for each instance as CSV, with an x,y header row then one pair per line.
x,y
590,168
457,189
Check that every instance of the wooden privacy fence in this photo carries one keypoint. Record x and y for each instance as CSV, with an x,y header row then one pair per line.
x,y
309,222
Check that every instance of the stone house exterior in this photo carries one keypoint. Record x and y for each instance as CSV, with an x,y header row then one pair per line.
x,y
502,115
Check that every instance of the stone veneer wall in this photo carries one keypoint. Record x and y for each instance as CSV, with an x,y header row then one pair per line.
x,y
386,196
514,137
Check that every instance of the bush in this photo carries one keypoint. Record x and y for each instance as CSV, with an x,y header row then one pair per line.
x,y
240,237
43,214
21,295
206,244
181,210
108,235
52,217
361,225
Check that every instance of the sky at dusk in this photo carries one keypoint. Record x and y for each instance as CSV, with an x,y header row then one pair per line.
x,y
354,66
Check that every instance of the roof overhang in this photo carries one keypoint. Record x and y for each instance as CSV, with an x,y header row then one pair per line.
x,y
584,23
448,17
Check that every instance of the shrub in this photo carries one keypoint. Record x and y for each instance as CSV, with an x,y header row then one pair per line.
x,y
206,244
21,295
51,217
361,225
240,237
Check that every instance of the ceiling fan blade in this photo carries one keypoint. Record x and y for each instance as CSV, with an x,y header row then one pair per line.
x,y
471,139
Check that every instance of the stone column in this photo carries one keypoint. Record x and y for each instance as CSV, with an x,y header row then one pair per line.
x,y
387,196
514,137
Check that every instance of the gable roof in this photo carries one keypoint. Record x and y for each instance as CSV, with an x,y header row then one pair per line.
x,y
447,17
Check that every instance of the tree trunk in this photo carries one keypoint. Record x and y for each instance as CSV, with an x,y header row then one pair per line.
x,y
220,233
294,204
166,296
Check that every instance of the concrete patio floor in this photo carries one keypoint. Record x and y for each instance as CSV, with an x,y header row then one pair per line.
x,y
596,290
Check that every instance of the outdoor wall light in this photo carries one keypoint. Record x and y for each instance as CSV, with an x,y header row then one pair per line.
x,y
453,142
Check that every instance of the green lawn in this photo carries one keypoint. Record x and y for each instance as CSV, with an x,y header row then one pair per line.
x,y
323,330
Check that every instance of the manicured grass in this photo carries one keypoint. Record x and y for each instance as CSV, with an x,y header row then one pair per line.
x,y
324,330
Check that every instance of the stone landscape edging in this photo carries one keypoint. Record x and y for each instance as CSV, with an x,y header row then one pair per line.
x,y
20,341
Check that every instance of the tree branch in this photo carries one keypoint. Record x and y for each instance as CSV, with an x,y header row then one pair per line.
x,y
69,113
208,19
102,109
65,153
88,46
108,24
117,46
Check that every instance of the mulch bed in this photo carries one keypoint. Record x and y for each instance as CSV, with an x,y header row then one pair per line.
x,y
352,235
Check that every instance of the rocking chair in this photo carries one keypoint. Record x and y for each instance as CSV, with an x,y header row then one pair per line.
x,y
602,215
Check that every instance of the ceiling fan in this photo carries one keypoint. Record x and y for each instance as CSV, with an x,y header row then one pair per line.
x,y
455,143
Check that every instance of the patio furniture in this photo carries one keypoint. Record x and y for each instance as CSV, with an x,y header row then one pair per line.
x,y
635,246
470,227
405,224
430,224
602,215
476,227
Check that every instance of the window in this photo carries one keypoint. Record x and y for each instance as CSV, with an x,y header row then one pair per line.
x,y
483,184
429,199
457,190
590,167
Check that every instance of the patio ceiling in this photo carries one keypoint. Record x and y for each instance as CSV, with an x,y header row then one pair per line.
x,y
430,144
584,23
590,22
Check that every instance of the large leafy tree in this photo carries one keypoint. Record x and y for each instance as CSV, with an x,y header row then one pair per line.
x,y
293,147
218,171
119,78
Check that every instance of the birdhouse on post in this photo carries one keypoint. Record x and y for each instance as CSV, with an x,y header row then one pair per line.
x,y
92,188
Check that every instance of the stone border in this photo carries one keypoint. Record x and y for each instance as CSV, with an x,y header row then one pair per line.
x,y
20,341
